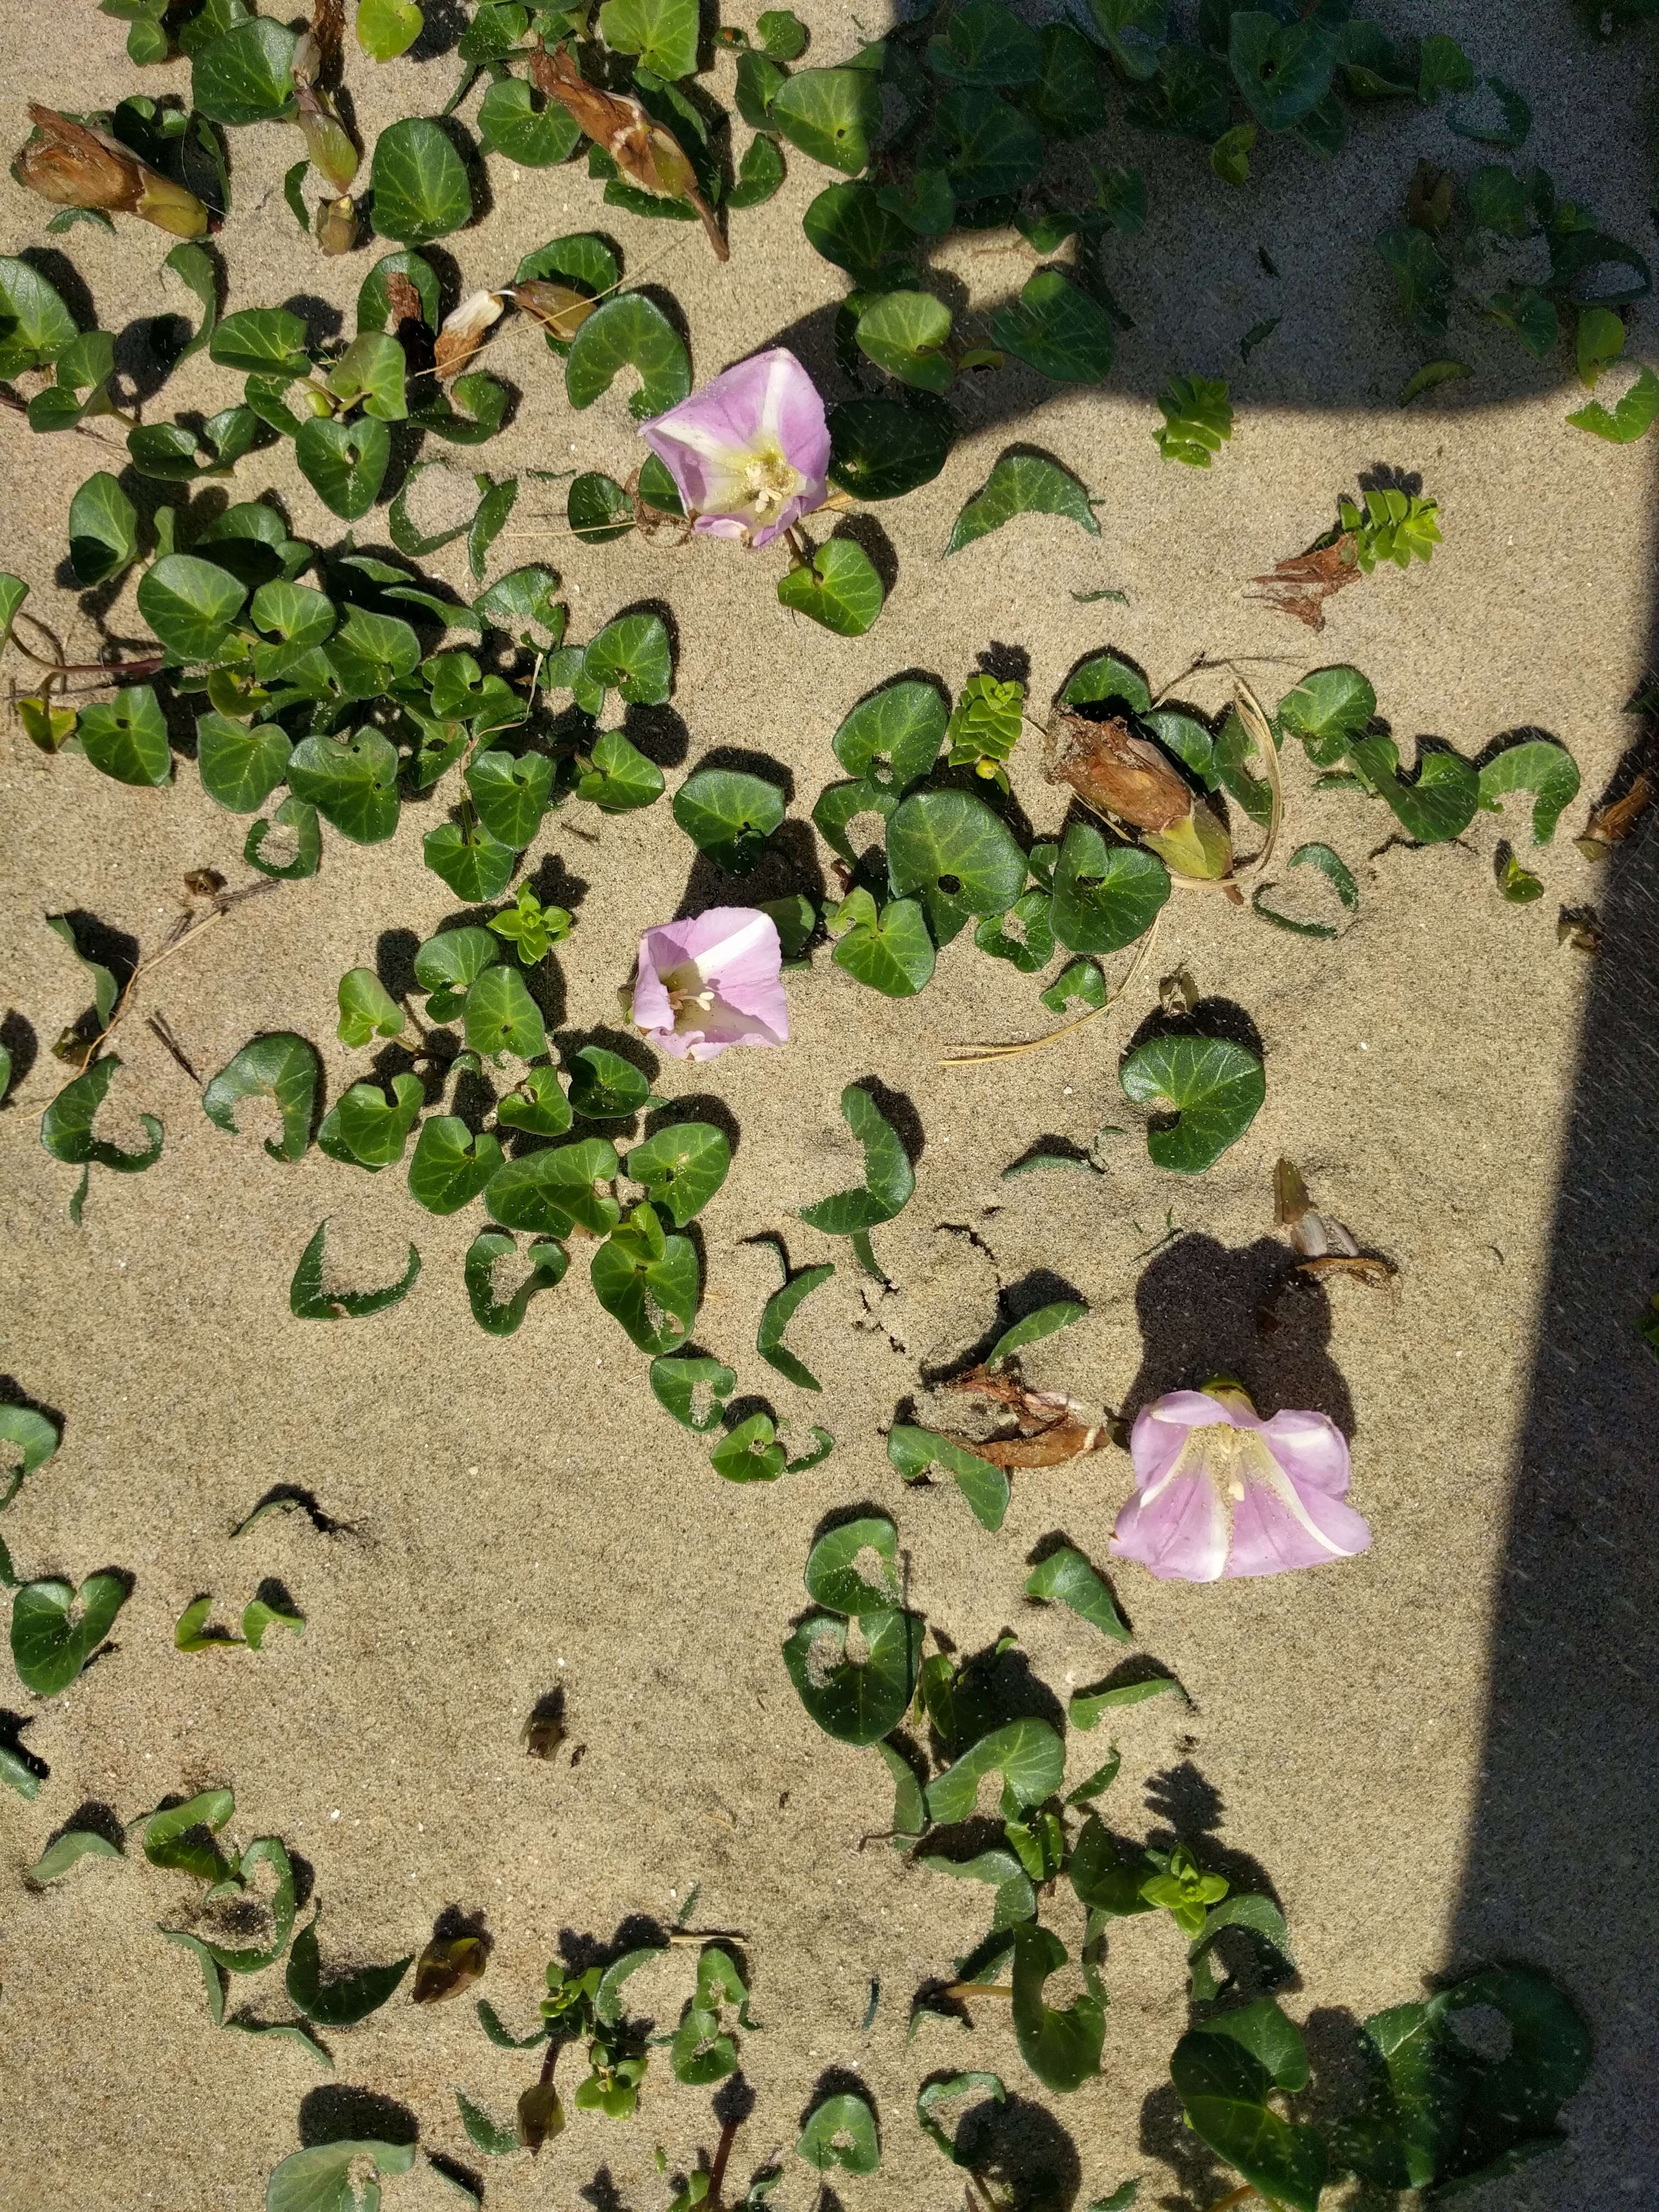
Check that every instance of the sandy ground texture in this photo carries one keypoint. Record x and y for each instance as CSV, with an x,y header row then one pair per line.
x,y
519,1516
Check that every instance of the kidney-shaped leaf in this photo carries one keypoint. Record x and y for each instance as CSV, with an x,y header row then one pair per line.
x,y
283,1068
1023,483
856,1677
681,1167
841,2131
962,859
1105,896
419,182
1027,1754
854,1568
1062,2048
888,1177
55,1628
629,330
1213,1086
551,1191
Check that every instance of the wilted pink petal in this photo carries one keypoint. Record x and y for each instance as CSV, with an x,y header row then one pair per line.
x,y
749,452
1220,1492
712,981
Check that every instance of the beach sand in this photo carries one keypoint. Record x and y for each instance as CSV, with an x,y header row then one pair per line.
x,y
520,1516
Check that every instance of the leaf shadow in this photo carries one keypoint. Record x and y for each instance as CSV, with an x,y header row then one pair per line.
x,y
338,2112
1020,2144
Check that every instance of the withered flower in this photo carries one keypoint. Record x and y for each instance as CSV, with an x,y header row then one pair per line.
x,y
649,155
74,166
332,154
463,332
559,308
337,225
1127,779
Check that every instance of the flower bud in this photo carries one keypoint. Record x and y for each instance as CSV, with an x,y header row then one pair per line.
x,y
336,226
315,402
170,207
1128,779
462,333
558,308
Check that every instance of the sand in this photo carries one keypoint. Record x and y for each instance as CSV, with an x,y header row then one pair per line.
x,y
1438,1753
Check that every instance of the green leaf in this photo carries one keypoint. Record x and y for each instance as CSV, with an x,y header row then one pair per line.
x,y
241,763
780,1310
1105,896
344,463
987,150
1540,766
103,531
1058,329
490,2137
264,1850
662,33
475,865
1022,483
294,815
1422,277
831,114
1212,1086
374,308
1283,70
1134,31
840,2132
1630,418
1062,2048
213,1980
319,2179
1065,1578
499,1317
551,1191
631,657
281,1067
371,371
1085,1708
933,2094
1335,871
861,1695
374,1132
1224,2073
1437,804
56,1629
1327,710
35,326
450,1165
1198,420
1080,986
66,1125
760,175
849,225
883,448
782,34
510,793
729,815
181,1836
1027,1754
348,1998
368,1010
1493,112
246,74
681,1167
892,952
66,1852
308,1301
628,330
447,964
511,122
905,333
352,781
621,777
126,737
604,1086
262,341
598,509
648,1281
36,1439
961,857
1260,1915
839,588
386,28
896,733
419,182
854,1568
694,1390
888,1177
192,1633
749,1452
914,1451
1045,1320
985,44
1598,340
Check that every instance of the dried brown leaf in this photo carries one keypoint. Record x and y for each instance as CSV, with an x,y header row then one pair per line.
x,y
1300,586
559,308
1363,1266
403,301
1612,823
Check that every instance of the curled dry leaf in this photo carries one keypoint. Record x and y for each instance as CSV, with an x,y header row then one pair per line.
x,y
1324,1245
1049,1427
559,308
448,1964
403,301
463,332
1611,824
649,156
74,165
1300,586
1581,928
1178,995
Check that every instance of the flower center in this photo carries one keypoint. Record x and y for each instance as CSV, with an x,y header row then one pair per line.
x,y
688,995
770,480
1226,1455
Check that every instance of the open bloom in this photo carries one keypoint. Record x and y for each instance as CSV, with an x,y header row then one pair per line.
x,y
716,981
1221,1492
750,453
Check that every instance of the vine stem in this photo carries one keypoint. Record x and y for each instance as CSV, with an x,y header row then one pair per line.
x,y
964,1990
1235,2197
722,2158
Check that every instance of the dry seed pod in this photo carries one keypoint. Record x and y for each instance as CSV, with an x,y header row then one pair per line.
x,y
74,166
647,156
1128,779
559,308
463,332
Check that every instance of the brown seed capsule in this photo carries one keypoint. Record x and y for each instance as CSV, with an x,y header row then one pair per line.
x,y
336,226
560,310
72,165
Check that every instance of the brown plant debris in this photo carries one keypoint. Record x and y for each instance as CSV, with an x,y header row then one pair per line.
x,y
647,156
1299,586
1610,823
1049,1426
1114,772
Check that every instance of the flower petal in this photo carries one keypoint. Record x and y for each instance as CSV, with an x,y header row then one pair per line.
x,y
1275,1530
1181,1535
1312,1450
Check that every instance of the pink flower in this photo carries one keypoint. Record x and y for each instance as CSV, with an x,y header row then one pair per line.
x,y
717,980
1221,1492
750,453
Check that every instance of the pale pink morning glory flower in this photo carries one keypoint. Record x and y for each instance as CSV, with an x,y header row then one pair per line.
x,y
749,452
1221,1492
716,981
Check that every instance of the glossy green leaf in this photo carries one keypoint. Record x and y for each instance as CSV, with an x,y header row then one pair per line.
x,y
1134,31
780,1310
1065,1578
298,818
1224,2072
241,763
344,463
1058,329
750,1452
374,1130
1440,801
66,1125
252,1959
1198,420
857,1686
549,1191
648,1281
475,865
605,1087
838,588
729,815
125,738
896,730
65,1852
1023,936
450,1165
1212,1086
915,1451
1422,279
281,1067
352,781
386,28
1045,1320
1027,1754
888,1177
56,1628
246,74
854,1568
1538,765
309,1301
103,531
447,965
694,1390
419,183
620,777
906,333
1022,483
1283,70
499,1317
511,792
1327,709
631,656
662,33
1062,2048
181,1836
261,341
986,148
840,2132
883,448
35,326
1335,871
831,114
891,951
598,509
535,134
1105,896
760,175
1629,420
962,859
848,225
212,1978
629,330
319,2179
681,1167
348,1998
35,1438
